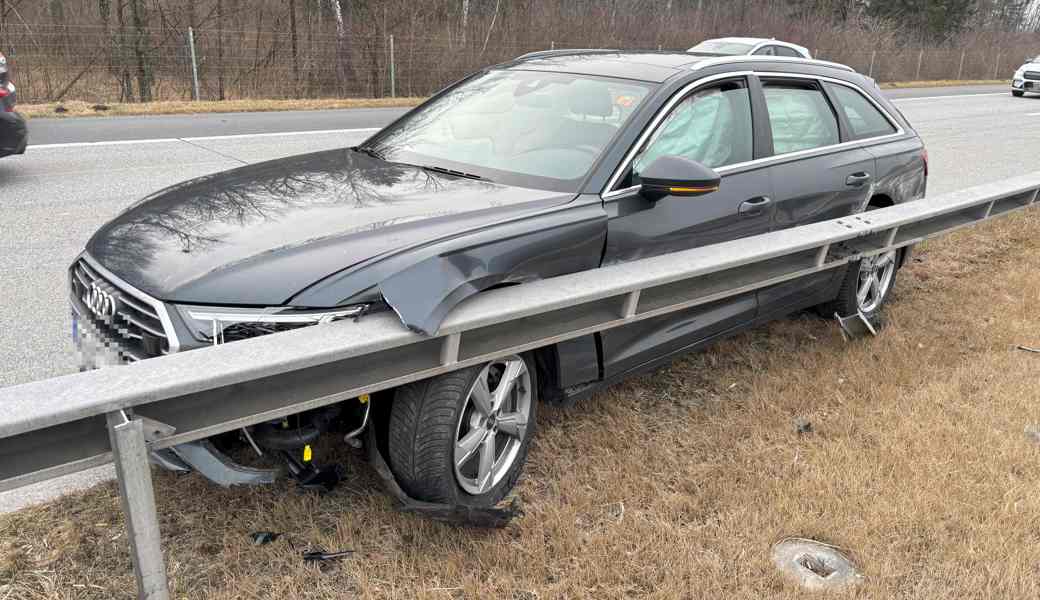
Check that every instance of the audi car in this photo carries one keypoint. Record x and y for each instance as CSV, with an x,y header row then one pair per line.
x,y
1026,78
553,163
14,135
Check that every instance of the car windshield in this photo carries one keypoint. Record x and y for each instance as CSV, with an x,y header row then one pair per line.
x,y
721,47
525,128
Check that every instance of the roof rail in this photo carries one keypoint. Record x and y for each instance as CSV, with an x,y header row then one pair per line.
x,y
722,60
563,51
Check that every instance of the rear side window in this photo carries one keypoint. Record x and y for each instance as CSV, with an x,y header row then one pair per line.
x,y
865,120
766,51
799,116
785,51
712,127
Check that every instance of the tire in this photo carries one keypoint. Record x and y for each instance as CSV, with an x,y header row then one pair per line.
x,y
1017,93
850,297
428,418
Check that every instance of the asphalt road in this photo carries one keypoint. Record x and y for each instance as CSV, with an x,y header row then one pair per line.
x,y
58,193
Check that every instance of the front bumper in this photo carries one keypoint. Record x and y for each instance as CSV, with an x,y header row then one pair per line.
x,y
14,134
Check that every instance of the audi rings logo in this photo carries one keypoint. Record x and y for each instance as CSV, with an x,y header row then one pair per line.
x,y
101,302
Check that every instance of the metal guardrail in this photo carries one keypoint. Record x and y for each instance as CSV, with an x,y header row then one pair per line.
x,y
70,423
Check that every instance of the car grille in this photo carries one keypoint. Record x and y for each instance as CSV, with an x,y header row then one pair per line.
x,y
134,327
1034,75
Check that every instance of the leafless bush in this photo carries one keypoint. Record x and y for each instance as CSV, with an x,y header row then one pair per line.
x,y
134,50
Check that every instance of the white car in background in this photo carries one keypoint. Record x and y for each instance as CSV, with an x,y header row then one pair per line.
x,y
1027,78
734,46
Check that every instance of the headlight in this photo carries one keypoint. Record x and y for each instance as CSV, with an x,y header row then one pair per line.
x,y
220,324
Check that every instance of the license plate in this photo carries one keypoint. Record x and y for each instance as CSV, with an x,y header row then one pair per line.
x,y
94,351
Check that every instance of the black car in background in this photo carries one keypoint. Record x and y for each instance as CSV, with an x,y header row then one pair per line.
x,y
554,163
14,135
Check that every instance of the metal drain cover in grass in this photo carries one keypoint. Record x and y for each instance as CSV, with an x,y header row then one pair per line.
x,y
815,565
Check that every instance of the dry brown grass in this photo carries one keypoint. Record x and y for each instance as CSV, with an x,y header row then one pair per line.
x,y
674,484
77,108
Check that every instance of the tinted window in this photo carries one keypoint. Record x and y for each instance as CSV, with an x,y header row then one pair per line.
x,y
864,118
712,127
800,117
765,51
784,51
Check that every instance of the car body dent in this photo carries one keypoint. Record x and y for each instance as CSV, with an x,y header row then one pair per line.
x,y
424,283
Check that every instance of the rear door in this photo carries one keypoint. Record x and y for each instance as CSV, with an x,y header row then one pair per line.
x,y
712,125
816,175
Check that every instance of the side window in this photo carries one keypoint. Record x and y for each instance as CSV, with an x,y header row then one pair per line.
x,y
785,51
765,51
865,120
712,126
799,116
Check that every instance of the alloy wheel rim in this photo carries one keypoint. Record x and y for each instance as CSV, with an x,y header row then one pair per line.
x,y
875,278
492,425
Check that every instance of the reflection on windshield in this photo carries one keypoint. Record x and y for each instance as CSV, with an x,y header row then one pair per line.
x,y
527,128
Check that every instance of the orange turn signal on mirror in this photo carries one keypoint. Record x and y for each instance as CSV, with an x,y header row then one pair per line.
x,y
693,190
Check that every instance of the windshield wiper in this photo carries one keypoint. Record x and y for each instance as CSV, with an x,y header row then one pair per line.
x,y
453,172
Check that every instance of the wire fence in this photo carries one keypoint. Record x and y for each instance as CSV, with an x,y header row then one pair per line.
x,y
88,63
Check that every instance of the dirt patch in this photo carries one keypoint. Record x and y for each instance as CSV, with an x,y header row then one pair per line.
x,y
675,484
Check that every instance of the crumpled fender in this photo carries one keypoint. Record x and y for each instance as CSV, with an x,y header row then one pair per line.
x,y
423,294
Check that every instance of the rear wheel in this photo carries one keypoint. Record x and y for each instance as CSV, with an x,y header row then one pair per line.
x,y
867,285
463,437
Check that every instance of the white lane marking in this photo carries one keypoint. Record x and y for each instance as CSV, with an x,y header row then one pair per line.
x,y
1033,114
948,97
208,138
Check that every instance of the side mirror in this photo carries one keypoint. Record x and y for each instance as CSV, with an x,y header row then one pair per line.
x,y
678,176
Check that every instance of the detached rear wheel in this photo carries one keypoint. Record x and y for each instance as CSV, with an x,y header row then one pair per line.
x,y
463,437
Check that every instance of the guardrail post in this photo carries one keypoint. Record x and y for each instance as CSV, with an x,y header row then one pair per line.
x,y
960,69
870,71
130,455
996,69
920,57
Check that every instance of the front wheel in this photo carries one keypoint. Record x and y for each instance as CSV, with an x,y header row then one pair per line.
x,y
463,437
1017,93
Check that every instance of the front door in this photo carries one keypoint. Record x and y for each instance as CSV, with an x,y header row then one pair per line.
x,y
713,126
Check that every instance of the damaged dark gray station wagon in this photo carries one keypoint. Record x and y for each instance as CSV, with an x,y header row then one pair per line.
x,y
554,163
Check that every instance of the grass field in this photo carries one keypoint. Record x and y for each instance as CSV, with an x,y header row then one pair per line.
x,y
674,484
76,108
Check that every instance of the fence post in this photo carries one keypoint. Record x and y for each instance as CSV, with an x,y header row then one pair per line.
x,y
130,455
393,71
920,57
870,71
960,69
194,65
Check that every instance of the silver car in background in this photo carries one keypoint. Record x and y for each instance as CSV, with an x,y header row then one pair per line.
x,y
736,46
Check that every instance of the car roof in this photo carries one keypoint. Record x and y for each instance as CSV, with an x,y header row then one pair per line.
x,y
655,67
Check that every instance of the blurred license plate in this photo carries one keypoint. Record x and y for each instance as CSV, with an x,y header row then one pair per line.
x,y
95,352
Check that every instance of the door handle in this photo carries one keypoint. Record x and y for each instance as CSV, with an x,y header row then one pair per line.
x,y
754,207
857,179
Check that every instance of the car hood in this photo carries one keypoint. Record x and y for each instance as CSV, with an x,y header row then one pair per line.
x,y
259,234
1029,66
